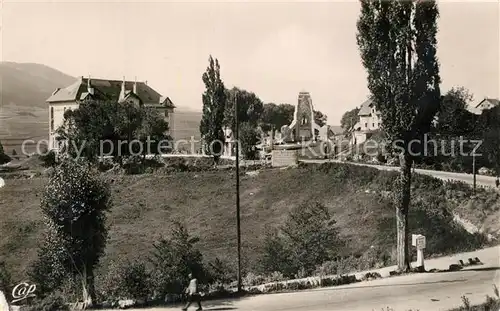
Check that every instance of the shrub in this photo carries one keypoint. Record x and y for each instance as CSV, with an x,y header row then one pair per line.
x,y
252,279
105,165
178,164
381,158
248,137
276,255
275,277
49,303
311,235
301,273
221,272
173,259
326,268
48,159
129,280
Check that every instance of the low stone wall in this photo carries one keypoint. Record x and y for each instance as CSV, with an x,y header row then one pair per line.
x,y
281,158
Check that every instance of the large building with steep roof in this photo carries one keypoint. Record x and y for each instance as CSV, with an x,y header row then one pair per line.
x,y
83,89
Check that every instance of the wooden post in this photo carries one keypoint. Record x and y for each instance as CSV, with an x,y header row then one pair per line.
x,y
237,190
474,170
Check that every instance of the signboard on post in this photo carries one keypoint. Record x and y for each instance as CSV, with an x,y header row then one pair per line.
x,y
420,242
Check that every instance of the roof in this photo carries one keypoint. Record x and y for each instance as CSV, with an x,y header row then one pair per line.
x,y
107,89
366,108
492,101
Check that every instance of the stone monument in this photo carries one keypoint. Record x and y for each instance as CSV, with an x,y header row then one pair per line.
x,y
303,126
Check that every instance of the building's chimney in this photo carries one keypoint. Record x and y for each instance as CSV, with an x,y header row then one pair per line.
x,y
89,87
135,85
122,92
146,82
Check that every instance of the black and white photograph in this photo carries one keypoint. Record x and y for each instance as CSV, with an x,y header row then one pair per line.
x,y
250,155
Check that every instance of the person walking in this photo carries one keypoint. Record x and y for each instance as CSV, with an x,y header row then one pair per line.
x,y
497,182
192,293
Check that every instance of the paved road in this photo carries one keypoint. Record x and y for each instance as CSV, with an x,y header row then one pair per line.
x,y
424,292
481,180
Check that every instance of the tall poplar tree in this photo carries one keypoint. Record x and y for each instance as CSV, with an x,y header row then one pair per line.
x,y
397,43
214,103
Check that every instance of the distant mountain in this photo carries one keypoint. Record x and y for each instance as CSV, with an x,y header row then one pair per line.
x,y
24,87
28,84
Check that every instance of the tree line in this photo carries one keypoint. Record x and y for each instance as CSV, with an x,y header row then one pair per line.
x,y
453,121
254,117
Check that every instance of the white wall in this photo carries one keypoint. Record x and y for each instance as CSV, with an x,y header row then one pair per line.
x,y
58,118
370,123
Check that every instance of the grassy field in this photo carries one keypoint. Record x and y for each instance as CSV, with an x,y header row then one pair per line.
x,y
144,205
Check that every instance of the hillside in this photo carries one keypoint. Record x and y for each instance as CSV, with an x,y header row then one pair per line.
x,y
23,91
144,205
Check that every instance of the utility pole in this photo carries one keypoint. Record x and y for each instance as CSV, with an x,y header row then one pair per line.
x,y
474,170
237,188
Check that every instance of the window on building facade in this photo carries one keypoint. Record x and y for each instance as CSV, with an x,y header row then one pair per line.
x,y
373,124
366,124
51,118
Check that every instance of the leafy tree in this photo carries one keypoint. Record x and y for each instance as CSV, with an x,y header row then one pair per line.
x,y
275,116
126,280
152,128
276,255
319,118
174,258
214,103
453,117
490,119
397,42
308,238
250,108
248,137
311,234
109,122
74,205
3,157
349,119
86,126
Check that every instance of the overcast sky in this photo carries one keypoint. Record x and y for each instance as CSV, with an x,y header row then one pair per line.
x,y
273,49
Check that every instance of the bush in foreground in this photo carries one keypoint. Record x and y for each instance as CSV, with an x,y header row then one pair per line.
x,y
308,239
49,303
127,280
74,204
